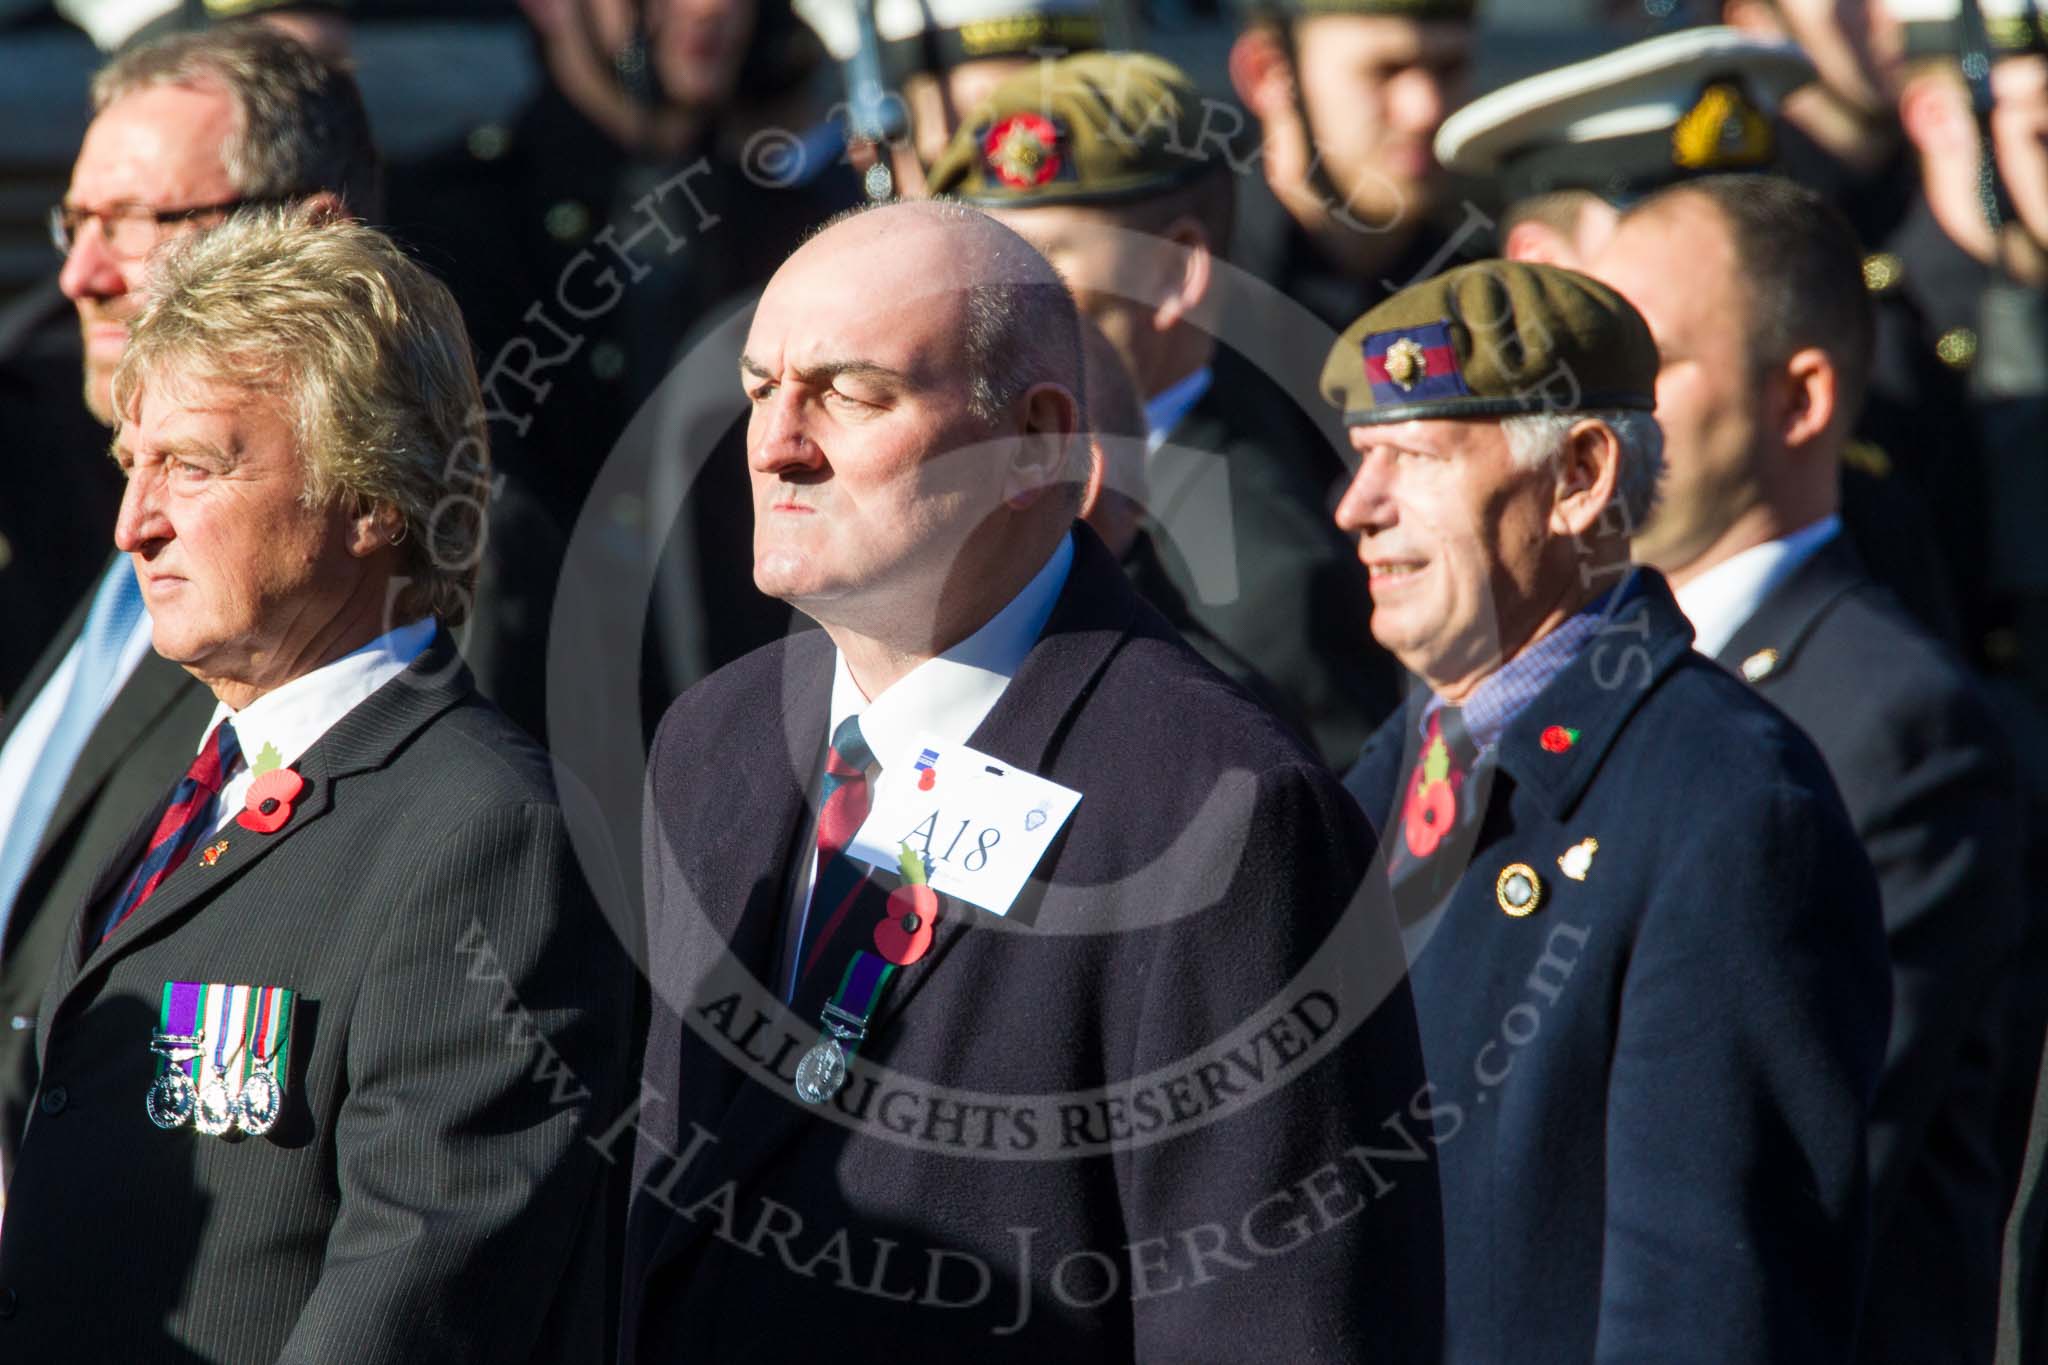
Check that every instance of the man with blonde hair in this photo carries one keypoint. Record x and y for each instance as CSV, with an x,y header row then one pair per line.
x,y
276,1070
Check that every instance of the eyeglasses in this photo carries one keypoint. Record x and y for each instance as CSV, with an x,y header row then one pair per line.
x,y
131,231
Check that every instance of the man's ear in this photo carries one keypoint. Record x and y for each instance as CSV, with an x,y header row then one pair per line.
x,y
375,528
1935,112
1052,423
1536,242
1183,293
1262,75
1812,398
324,208
1098,475
1588,471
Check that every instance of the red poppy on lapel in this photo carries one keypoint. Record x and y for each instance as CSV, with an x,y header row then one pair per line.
x,y
905,930
269,803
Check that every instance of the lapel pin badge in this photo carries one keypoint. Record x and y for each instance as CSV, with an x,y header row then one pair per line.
x,y
1518,889
1760,665
213,852
1558,739
1576,861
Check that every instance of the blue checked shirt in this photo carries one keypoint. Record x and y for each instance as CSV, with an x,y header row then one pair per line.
x,y
1508,690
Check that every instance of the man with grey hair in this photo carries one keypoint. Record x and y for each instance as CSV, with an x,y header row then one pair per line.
x,y
1645,944
269,1074
185,132
957,905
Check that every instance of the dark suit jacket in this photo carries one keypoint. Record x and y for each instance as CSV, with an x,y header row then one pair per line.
x,y
1652,1089
145,739
1924,772
1208,860
1301,616
426,1194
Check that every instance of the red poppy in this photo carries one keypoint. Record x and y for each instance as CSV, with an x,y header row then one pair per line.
x,y
1431,811
1557,739
269,803
906,928
1023,150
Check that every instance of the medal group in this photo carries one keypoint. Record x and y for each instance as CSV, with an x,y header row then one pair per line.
x,y
222,1055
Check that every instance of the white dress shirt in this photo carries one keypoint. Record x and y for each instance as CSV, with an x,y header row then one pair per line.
x,y
292,717
1720,600
945,698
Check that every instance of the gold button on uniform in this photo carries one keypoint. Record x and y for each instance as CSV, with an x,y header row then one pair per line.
x,y
1957,348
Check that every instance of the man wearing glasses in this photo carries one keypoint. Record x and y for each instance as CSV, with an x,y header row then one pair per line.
x,y
184,131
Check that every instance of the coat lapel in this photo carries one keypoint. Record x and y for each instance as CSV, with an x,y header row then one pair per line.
x,y
1765,645
363,739
1094,613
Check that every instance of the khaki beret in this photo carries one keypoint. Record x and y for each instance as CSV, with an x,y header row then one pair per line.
x,y
1097,127
1492,339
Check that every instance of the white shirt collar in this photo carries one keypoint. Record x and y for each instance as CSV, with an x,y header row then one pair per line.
x,y
290,718
1720,600
1164,409
949,696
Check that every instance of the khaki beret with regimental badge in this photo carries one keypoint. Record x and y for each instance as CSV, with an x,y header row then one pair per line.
x,y
1098,127
1492,339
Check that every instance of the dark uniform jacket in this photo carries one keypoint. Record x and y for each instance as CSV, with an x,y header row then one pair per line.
x,y
58,500
1651,1089
1291,596
1207,864
426,1193
143,741
1926,777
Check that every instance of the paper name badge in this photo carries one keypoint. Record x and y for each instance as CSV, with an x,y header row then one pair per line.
x,y
981,824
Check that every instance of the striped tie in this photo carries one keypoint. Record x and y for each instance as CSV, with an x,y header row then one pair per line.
x,y
843,802
184,822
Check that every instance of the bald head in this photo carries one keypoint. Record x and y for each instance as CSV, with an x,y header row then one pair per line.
x,y
916,382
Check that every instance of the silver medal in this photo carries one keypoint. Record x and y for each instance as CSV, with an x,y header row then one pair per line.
x,y
215,1111
257,1107
171,1099
821,1072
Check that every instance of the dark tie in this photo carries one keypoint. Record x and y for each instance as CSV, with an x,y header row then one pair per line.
x,y
185,821
843,801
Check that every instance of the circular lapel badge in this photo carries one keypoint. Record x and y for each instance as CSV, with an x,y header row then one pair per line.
x,y
1518,889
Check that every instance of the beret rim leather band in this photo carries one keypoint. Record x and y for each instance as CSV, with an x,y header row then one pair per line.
x,y
1493,407
1074,193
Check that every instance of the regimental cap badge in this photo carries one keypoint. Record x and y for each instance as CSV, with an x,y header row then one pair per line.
x,y
1023,150
1518,889
1406,362
1414,363
1723,131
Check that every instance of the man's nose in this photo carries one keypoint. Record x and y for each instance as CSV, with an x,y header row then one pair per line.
x,y
90,270
779,436
1368,505
140,521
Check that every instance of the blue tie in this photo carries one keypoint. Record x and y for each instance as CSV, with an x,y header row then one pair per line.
x,y
116,607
